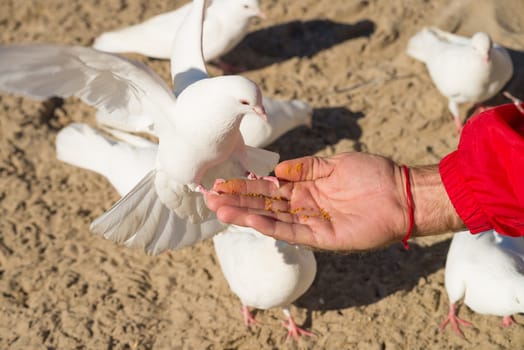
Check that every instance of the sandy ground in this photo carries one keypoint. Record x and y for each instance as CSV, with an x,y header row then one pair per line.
x,y
63,288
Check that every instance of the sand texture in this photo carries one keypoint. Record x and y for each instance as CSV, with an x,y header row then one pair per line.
x,y
61,287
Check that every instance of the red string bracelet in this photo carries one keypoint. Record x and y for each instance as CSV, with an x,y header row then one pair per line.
x,y
409,197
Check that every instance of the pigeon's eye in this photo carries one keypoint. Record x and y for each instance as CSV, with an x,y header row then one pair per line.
x,y
244,102
246,6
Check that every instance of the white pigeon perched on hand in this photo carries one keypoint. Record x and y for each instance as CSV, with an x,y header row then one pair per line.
x,y
199,136
487,270
262,272
463,69
282,116
226,24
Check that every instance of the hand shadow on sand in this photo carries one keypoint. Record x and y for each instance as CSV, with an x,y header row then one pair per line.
x,y
515,85
344,281
329,126
281,42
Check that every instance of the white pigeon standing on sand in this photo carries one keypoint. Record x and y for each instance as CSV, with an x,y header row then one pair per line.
x,y
262,272
282,116
487,270
265,273
463,69
199,136
226,24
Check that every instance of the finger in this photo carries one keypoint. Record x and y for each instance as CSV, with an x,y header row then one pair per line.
x,y
293,233
214,202
230,213
254,187
304,169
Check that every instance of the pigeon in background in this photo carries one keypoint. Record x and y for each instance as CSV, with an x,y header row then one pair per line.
x,y
199,136
282,115
262,272
463,69
226,24
487,270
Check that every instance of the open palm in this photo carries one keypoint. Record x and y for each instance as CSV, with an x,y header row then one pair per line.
x,y
351,201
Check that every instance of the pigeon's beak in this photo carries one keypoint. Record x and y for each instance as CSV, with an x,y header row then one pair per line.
x,y
261,112
261,15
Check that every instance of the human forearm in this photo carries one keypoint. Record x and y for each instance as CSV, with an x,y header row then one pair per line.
x,y
434,212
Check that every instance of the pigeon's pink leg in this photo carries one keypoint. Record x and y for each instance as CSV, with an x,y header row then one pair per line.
x,y
516,101
508,321
453,319
292,329
458,124
273,179
479,109
202,190
249,319
218,182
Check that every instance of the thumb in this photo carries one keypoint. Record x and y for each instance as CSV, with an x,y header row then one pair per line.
x,y
304,169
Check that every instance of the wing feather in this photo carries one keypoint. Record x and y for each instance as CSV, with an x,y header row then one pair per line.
x,y
113,84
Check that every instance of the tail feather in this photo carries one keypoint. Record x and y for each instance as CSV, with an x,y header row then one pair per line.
x,y
424,45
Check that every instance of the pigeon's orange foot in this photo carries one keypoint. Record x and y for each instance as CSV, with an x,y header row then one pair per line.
x,y
293,330
508,321
458,125
516,101
454,320
273,179
204,191
249,319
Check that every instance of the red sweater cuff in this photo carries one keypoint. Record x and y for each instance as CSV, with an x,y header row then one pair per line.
x,y
461,196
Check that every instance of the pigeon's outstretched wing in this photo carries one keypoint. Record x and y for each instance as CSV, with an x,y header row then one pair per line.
x,y
124,163
115,85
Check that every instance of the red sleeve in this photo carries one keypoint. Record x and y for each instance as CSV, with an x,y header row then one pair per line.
x,y
484,177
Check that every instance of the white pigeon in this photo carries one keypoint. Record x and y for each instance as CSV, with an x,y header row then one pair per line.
x,y
282,116
199,136
463,69
487,270
123,162
262,272
226,24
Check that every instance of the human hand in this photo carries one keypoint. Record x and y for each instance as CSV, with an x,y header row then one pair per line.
x,y
347,202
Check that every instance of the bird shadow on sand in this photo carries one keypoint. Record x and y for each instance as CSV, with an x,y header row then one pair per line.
x,y
362,279
281,42
329,126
